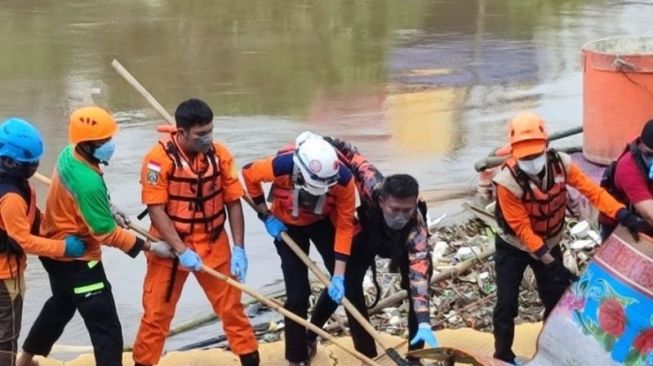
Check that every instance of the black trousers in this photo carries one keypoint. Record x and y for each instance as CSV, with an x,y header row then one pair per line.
x,y
510,264
361,258
295,276
82,286
11,311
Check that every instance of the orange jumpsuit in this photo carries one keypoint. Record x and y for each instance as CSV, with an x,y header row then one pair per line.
x,y
158,311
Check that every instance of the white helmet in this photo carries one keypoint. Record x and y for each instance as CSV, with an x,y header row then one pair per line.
x,y
318,163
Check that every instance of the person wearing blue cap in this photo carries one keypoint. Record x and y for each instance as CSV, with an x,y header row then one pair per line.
x,y
21,147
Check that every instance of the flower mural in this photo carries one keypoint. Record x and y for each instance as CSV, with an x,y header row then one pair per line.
x,y
644,341
607,317
612,317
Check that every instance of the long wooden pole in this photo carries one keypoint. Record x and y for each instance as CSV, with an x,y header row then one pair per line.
x,y
253,293
391,352
164,113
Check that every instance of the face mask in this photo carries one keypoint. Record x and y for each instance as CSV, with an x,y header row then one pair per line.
x,y
396,221
650,169
534,166
29,169
21,171
202,144
104,152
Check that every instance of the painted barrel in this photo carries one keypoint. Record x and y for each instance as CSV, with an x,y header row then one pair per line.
x,y
617,94
605,318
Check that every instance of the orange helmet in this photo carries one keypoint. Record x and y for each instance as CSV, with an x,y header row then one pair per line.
x,y
91,124
527,135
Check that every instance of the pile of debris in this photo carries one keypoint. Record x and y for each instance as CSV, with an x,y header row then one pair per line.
x,y
463,288
466,299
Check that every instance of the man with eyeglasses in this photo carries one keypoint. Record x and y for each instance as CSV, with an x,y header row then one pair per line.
x,y
312,199
630,180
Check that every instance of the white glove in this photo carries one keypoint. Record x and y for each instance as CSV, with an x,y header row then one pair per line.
x,y
121,218
162,249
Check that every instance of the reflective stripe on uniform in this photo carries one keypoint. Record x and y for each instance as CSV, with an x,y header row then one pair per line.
x,y
88,288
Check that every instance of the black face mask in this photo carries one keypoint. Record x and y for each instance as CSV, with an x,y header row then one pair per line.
x,y
19,170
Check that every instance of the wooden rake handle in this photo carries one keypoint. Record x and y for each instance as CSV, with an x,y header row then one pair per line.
x,y
164,113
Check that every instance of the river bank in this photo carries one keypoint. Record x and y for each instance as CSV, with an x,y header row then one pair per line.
x,y
329,355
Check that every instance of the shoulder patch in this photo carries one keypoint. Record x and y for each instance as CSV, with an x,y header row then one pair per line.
x,y
153,172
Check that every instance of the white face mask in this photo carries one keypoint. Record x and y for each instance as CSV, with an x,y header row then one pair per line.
x,y
534,166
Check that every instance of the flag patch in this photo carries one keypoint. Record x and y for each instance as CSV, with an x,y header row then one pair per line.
x,y
151,165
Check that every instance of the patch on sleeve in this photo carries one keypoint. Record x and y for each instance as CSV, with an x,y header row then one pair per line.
x,y
153,172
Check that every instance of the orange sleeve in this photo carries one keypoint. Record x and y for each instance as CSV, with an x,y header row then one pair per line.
x,y
154,177
13,210
254,174
122,239
232,190
344,219
598,196
517,218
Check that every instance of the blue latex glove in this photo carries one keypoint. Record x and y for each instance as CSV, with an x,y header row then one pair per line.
x,y
239,262
337,288
274,226
190,260
425,333
74,246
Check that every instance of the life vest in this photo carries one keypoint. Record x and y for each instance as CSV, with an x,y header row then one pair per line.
x,y
194,198
286,193
546,209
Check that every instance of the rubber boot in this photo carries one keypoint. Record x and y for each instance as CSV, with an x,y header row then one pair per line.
x,y
250,359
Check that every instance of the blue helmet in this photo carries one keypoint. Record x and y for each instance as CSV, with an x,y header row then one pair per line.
x,y
21,141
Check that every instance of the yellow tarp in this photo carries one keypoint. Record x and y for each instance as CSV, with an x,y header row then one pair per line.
x,y
330,355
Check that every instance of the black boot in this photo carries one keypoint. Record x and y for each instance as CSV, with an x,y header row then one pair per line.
x,y
250,359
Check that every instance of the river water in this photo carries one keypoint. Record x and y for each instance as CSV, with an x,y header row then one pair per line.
x,y
420,86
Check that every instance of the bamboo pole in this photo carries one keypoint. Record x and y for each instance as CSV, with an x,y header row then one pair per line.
x,y
269,302
296,318
391,352
164,113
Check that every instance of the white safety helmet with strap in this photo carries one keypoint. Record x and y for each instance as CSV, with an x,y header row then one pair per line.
x,y
317,162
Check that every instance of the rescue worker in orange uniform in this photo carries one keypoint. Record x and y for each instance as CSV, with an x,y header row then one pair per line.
x,y
530,210
78,203
313,198
188,182
21,147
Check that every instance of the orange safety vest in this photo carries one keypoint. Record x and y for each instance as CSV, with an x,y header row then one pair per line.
x,y
286,193
546,209
194,198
